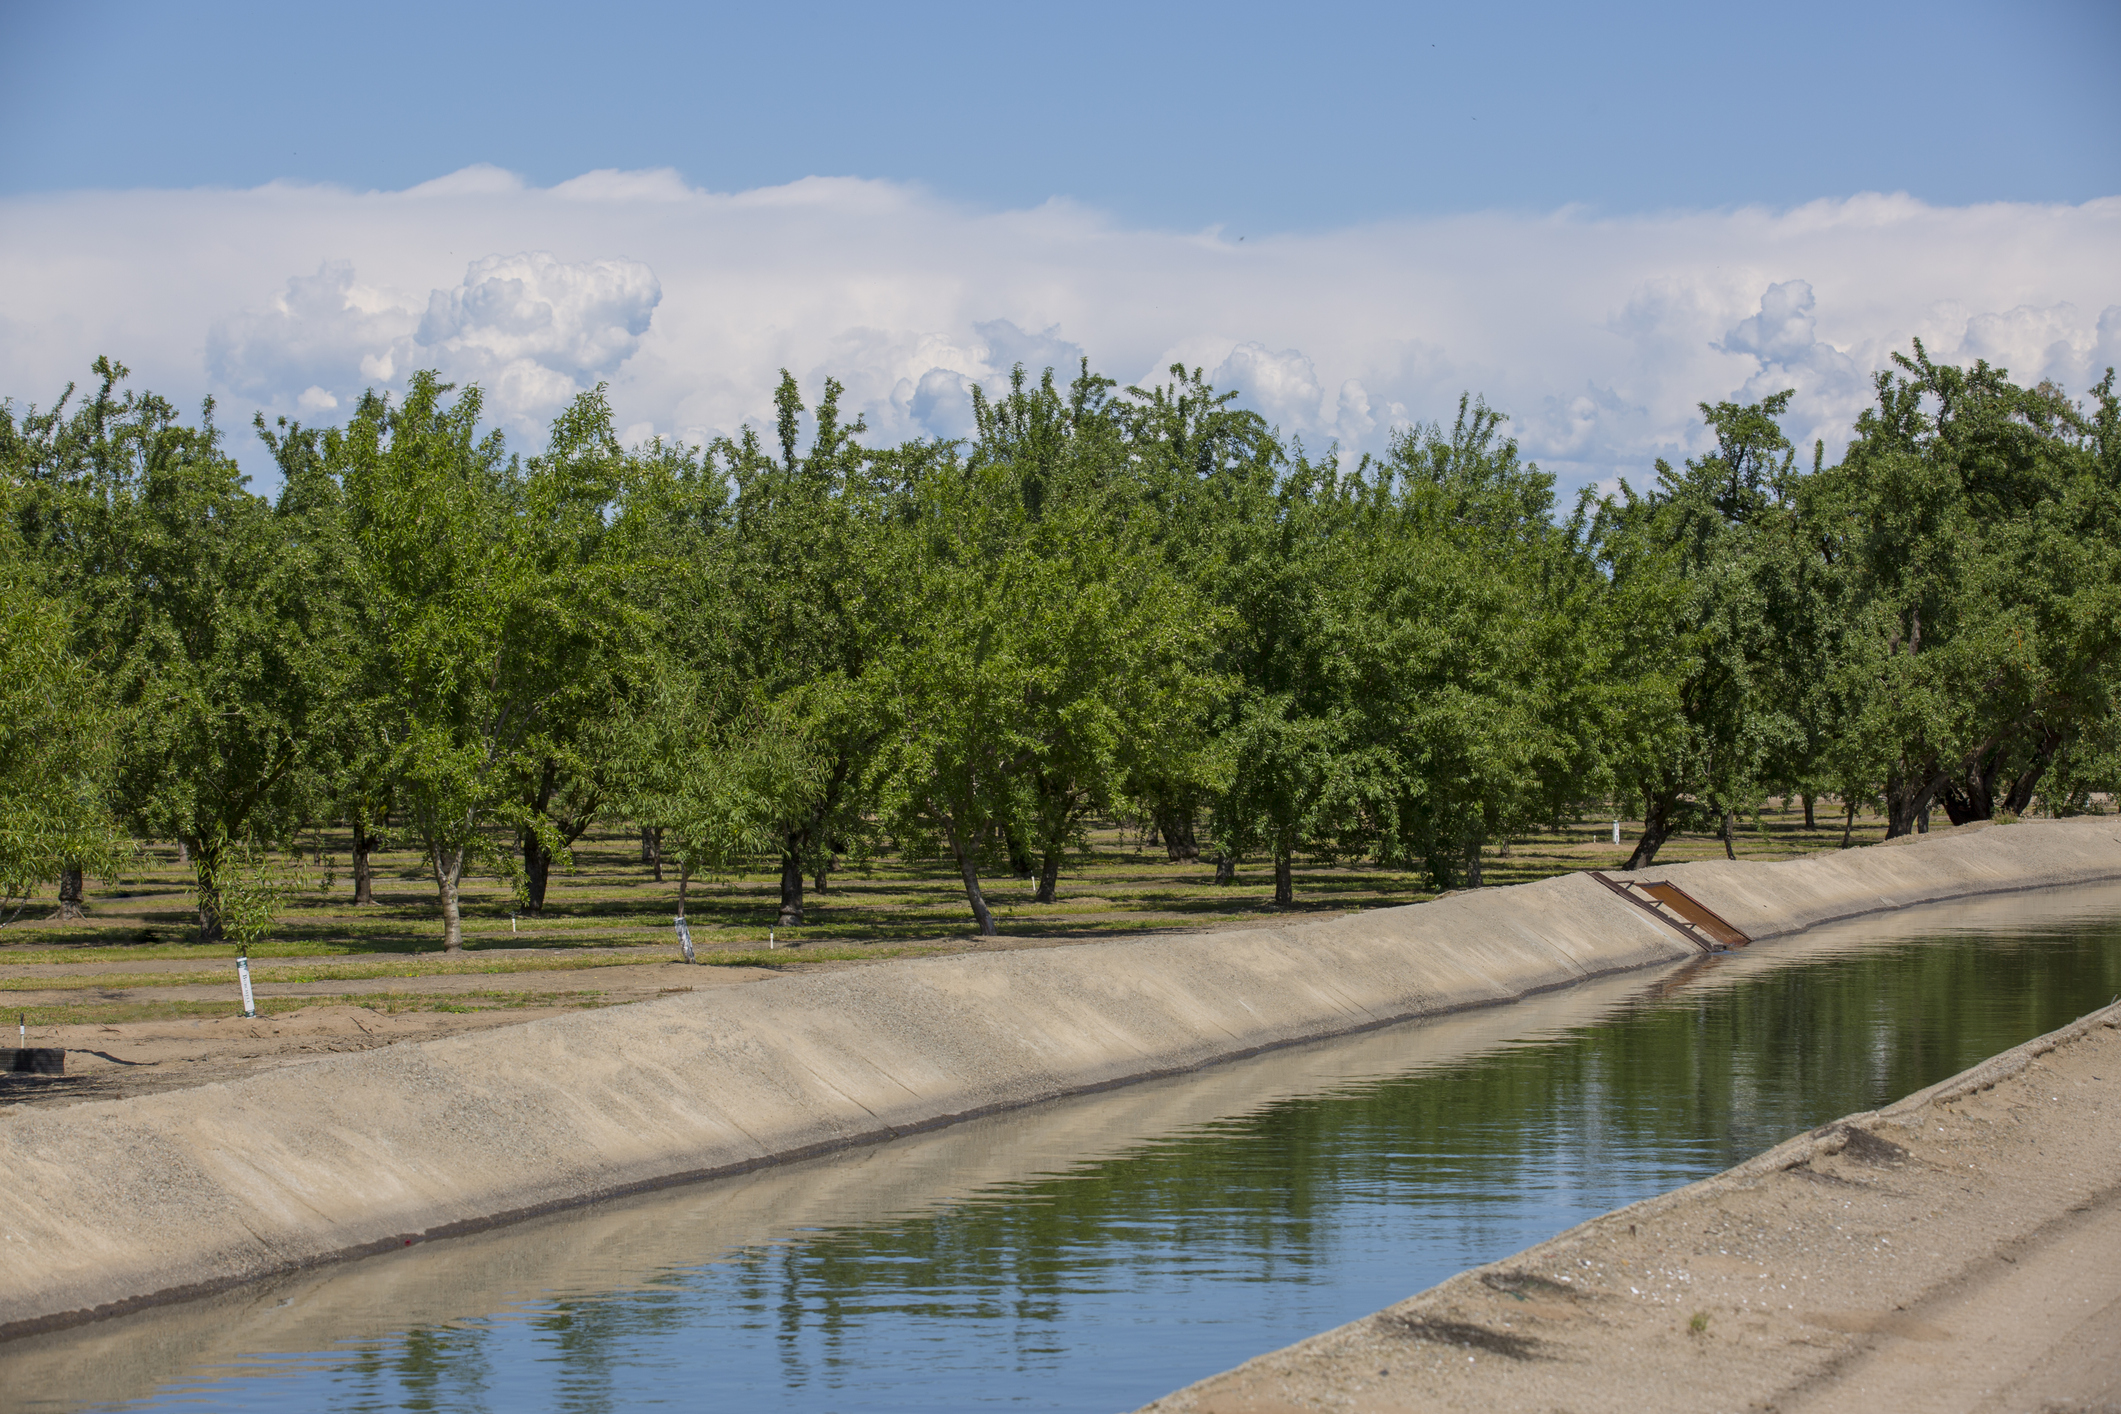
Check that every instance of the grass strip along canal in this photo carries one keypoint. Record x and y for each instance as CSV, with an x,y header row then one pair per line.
x,y
1095,1253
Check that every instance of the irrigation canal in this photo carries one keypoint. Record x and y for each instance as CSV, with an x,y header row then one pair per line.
x,y
1092,1254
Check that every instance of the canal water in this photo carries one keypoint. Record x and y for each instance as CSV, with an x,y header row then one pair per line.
x,y
1093,1254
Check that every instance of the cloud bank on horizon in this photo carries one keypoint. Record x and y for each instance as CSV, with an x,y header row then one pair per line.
x,y
1597,335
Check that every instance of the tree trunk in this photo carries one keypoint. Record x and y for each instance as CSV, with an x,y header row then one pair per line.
x,y
1656,828
1848,830
1056,812
824,867
205,867
2019,798
1225,867
1960,805
71,904
1473,863
1972,794
647,846
1175,825
1284,871
1730,828
968,870
206,871
364,873
1809,822
183,853
655,851
537,858
1908,801
684,878
449,876
791,915
537,871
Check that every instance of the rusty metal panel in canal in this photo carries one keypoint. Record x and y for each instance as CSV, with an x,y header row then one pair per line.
x,y
1678,910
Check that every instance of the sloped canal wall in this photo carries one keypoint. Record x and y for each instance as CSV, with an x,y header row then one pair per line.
x,y
117,1204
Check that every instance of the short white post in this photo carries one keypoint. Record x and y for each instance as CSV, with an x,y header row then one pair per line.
x,y
250,1003
769,939
685,939
1616,832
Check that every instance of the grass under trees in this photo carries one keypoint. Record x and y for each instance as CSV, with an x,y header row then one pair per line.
x,y
608,904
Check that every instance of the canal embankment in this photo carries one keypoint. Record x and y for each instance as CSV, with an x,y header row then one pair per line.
x,y
117,1204
1957,1251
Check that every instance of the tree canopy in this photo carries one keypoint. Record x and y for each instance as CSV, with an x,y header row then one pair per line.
x,y
1143,602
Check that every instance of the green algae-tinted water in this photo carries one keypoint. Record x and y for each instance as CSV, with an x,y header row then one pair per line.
x,y
1094,1257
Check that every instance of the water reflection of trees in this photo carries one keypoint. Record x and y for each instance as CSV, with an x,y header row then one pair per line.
x,y
429,1370
1480,1156
1664,1093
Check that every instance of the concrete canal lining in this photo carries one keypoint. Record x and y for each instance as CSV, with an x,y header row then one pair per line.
x,y
117,1204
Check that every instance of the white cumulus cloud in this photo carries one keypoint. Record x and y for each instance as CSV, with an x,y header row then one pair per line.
x,y
531,329
1282,385
327,331
1598,335
540,321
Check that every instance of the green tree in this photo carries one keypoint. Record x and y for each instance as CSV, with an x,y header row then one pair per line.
x,y
1692,733
1979,520
1287,575
350,749
1481,666
805,587
1202,467
498,620
54,735
199,606
587,742
952,674
1115,641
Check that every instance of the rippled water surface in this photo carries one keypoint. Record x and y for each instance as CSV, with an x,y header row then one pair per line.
x,y
1095,1254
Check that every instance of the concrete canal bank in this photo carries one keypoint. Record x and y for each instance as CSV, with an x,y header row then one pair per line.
x,y
115,1204
1958,1251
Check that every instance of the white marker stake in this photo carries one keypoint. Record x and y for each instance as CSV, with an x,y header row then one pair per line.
x,y
1616,832
685,939
769,939
250,1003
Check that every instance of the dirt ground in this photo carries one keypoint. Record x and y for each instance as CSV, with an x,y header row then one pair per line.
x,y
106,1061
140,1007
399,999
1960,1251
138,1011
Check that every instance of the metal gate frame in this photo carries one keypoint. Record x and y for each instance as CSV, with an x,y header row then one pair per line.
x,y
1678,910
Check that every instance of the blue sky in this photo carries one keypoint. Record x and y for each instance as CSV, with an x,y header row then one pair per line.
x,y
1596,215
1269,117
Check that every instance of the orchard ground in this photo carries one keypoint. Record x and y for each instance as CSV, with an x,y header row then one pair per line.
x,y
139,1006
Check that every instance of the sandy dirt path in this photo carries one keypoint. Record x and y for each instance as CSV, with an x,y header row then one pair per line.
x,y
1959,1251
